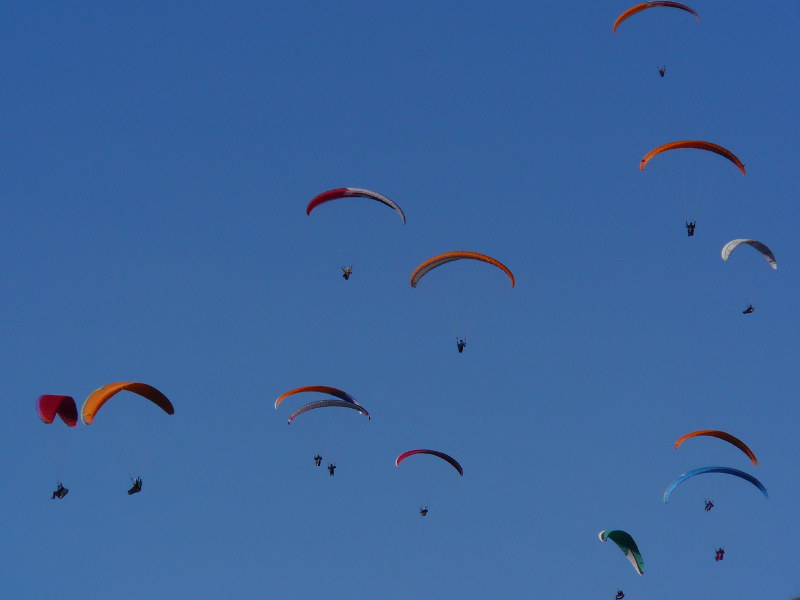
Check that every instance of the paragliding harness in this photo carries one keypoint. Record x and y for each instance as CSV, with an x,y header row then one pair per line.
x,y
331,469
662,70
750,308
620,594
720,555
690,225
461,344
136,487
318,460
346,272
60,492
423,510
709,505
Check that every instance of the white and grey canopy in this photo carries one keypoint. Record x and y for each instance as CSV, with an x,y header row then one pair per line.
x,y
765,251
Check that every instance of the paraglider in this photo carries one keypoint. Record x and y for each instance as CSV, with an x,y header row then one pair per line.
x,y
645,5
423,511
440,259
697,144
328,403
620,595
136,487
331,469
348,192
720,554
690,225
351,193
724,470
454,299
321,432
662,70
709,505
722,435
59,492
99,397
762,248
625,542
49,406
441,455
728,248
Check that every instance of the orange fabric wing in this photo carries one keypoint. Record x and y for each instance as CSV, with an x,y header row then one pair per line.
x,y
102,395
723,436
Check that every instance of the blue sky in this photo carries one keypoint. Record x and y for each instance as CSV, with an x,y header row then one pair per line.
x,y
158,159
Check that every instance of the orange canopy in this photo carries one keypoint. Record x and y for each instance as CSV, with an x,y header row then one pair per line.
x,y
102,395
723,436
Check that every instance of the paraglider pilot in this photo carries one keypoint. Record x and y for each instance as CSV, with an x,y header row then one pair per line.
x,y
620,594
720,554
709,505
423,510
60,492
750,308
136,487
461,344
318,460
662,70
346,272
690,225
331,469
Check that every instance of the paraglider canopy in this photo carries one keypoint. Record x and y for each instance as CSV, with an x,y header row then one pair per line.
x,y
49,405
697,144
441,455
724,470
645,5
329,403
625,542
350,193
324,389
99,397
728,248
722,436
440,259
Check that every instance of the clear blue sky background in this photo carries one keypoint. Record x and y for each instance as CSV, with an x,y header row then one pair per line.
x,y
157,161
